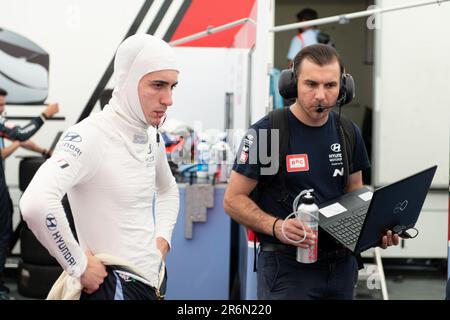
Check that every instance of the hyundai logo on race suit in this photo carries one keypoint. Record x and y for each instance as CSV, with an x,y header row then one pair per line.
x,y
50,221
336,147
72,137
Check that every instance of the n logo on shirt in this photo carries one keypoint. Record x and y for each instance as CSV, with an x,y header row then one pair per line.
x,y
338,172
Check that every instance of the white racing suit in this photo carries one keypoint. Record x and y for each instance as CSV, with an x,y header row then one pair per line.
x,y
111,167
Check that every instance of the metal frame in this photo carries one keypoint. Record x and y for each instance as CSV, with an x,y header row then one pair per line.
x,y
211,30
346,17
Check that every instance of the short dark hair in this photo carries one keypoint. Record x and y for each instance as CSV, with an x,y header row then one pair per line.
x,y
320,54
3,92
307,14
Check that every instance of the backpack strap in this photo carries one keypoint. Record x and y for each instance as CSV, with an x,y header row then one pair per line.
x,y
278,119
347,138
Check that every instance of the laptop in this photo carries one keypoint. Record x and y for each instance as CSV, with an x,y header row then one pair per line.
x,y
359,219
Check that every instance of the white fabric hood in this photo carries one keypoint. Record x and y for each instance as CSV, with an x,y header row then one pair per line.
x,y
137,56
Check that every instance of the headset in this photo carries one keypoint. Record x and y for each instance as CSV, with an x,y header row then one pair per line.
x,y
287,86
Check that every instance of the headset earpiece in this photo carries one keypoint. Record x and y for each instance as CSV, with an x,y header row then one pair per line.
x,y
346,90
287,84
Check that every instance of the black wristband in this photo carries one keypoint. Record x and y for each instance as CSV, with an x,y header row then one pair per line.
x,y
45,117
273,228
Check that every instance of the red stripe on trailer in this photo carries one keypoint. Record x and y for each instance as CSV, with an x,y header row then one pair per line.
x,y
213,13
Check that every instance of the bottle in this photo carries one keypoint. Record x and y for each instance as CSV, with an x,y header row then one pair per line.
x,y
220,155
203,159
308,214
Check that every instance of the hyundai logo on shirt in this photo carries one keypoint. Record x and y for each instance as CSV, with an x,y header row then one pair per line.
x,y
336,147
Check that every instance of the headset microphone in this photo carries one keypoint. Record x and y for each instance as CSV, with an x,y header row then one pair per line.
x,y
321,108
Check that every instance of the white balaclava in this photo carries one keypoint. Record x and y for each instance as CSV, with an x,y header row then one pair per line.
x,y
137,56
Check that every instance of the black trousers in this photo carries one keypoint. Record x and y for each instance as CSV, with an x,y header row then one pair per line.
x,y
5,233
281,277
119,287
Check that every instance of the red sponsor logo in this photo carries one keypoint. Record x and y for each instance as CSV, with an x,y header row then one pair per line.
x,y
297,162
244,156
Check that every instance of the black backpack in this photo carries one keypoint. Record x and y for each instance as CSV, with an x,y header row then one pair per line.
x,y
278,119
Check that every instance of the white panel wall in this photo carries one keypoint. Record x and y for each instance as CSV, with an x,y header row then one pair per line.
x,y
412,105
432,239
206,75
262,61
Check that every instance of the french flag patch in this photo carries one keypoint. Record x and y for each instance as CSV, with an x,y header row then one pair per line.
x,y
62,163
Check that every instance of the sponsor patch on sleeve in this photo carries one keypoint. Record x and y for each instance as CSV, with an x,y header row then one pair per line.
x,y
61,162
72,137
70,143
247,143
243,157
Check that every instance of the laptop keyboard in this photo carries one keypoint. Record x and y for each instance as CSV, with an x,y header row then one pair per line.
x,y
347,229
